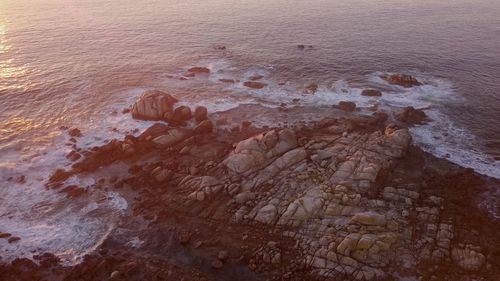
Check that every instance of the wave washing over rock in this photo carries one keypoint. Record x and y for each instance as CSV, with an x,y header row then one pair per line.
x,y
347,197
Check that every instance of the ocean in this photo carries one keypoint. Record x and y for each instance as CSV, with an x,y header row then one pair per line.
x,y
79,63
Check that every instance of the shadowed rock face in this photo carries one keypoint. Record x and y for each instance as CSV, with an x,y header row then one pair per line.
x,y
410,115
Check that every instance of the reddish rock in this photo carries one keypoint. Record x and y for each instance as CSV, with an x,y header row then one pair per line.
x,y
371,93
404,80
154,131
60,175
74,132
246,124
204,127
73,155
346,106
5,235
217,264
200,113
182,114
227,80
198,69
254,85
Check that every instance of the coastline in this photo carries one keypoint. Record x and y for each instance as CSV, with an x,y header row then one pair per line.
x,y
348,197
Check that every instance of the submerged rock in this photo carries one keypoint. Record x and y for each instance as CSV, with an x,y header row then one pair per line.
x,y
311,88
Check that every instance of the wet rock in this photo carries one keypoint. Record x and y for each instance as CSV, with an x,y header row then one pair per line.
x,y
13,239
200,113
198,69
182,114
225,80
254,85
371,93
205,127
73,155
404,80
311,88
411,115
47,260
5,235
60,175
346,106
74,132
153,105
246,124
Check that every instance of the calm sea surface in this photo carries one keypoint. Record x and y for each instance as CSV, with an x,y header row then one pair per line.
x,y
72,63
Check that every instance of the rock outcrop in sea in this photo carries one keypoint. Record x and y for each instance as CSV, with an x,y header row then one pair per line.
x,y
347,198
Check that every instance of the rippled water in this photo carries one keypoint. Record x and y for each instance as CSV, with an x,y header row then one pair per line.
x,y
74,62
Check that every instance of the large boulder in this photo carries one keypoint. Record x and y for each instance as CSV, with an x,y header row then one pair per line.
x,y
411,115
153,105
404,80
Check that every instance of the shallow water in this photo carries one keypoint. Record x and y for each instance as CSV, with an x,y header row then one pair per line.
x,y
73,63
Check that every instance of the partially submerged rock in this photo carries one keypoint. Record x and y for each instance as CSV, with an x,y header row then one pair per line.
x,y
348,106
371,93
254,85
410,115
198,69
404,80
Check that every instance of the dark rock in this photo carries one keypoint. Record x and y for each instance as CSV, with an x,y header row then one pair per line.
x,y
346,106
221,121
371,93
182,114
73,191
199,70
204,127
254,85
5,235
411,115
47,260
217,264
404,80
126,110
224,80
13,239
223,255
200,113
74,132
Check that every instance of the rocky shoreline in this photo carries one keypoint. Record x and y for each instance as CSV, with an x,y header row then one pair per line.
x,y
344,198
